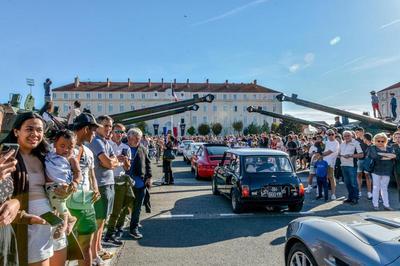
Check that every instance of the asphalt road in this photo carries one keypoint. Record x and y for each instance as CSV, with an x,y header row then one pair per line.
x,y
190,226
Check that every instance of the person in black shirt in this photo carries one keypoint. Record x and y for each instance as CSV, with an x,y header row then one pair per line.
x,y
360,165
292,150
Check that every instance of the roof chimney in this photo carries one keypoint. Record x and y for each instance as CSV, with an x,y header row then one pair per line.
x,y
162,83
187,83
255,82
226,83
207,83
149,83
174,83
76,82
129,82
108,83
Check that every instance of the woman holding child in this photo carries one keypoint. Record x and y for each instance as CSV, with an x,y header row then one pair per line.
x,y
36,245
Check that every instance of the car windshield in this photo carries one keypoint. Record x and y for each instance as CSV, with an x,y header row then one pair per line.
x,y
216,150
266,164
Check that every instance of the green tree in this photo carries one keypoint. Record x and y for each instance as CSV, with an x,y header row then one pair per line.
x,y
286,126
265,127
204,129
237,126
142,125
191,131
253,129
274,127
216,128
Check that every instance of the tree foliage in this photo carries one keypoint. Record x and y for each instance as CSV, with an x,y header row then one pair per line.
x,y
286,126
204,129
237,126
274,127
253,129
265,127
142,126
216,128
191,131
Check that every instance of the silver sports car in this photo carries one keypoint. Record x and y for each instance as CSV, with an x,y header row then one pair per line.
x,y
359,239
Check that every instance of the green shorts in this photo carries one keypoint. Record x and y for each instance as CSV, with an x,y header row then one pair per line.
x,y
104,205
86,221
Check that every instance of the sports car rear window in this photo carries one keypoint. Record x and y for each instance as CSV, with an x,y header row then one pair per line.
x,y
266,164
216,150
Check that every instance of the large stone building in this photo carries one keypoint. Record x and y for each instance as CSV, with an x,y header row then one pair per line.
x,y
231,100
384,99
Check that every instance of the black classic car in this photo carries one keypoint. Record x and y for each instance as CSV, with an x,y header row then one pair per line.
x,y
258,176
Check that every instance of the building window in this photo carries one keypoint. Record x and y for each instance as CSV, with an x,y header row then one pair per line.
x,y
155,94
132,107
194,120
235,108
76,95
100,108
225,107
110,96
214,108
143,96
54,95
225,97
87,95
204,119
110,108
65,95
66,108
121,96
99,96
132,96
204,108
122,108
234,96
245,96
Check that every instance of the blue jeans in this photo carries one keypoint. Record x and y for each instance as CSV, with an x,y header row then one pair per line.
x,y
137,207
394,111
350,179
322,183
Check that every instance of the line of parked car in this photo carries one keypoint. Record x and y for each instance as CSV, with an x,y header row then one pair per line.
x,y
253,176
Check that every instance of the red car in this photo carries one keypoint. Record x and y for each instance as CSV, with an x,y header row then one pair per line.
x,y
206,159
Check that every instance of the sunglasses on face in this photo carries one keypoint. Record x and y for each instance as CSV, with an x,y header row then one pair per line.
x,y
380,141
331,134
119,132
347,136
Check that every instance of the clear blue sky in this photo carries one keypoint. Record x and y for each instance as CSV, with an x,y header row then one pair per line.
x,y
333,52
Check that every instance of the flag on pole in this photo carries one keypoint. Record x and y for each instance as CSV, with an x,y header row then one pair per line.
x,y
174,94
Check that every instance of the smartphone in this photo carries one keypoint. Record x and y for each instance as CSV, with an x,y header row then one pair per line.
x,y
124,152
6,147
51,218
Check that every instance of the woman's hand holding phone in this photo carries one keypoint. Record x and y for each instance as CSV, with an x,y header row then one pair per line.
x,y
7,164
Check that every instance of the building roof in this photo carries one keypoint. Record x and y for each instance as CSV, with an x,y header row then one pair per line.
x,y
394,86
161,87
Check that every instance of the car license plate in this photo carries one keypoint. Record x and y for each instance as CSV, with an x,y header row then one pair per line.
x,y
272,192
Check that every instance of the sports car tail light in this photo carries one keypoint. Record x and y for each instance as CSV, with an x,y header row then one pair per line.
x,y
301,190
245,191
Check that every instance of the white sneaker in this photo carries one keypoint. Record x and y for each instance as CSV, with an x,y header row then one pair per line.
x,y
333,197
98,261
308,189
369,195
359,194
341,182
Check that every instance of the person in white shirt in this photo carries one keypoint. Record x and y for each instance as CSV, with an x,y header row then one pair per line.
x,y
350,149
74,112
330,154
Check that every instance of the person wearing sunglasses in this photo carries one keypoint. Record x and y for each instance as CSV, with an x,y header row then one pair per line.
x,y
383,157
396,147
349,151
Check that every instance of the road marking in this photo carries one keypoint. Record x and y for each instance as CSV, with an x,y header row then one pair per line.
x,y
176,216
235,214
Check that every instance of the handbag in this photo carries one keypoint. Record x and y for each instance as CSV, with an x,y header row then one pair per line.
x,y
80,199
169,155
